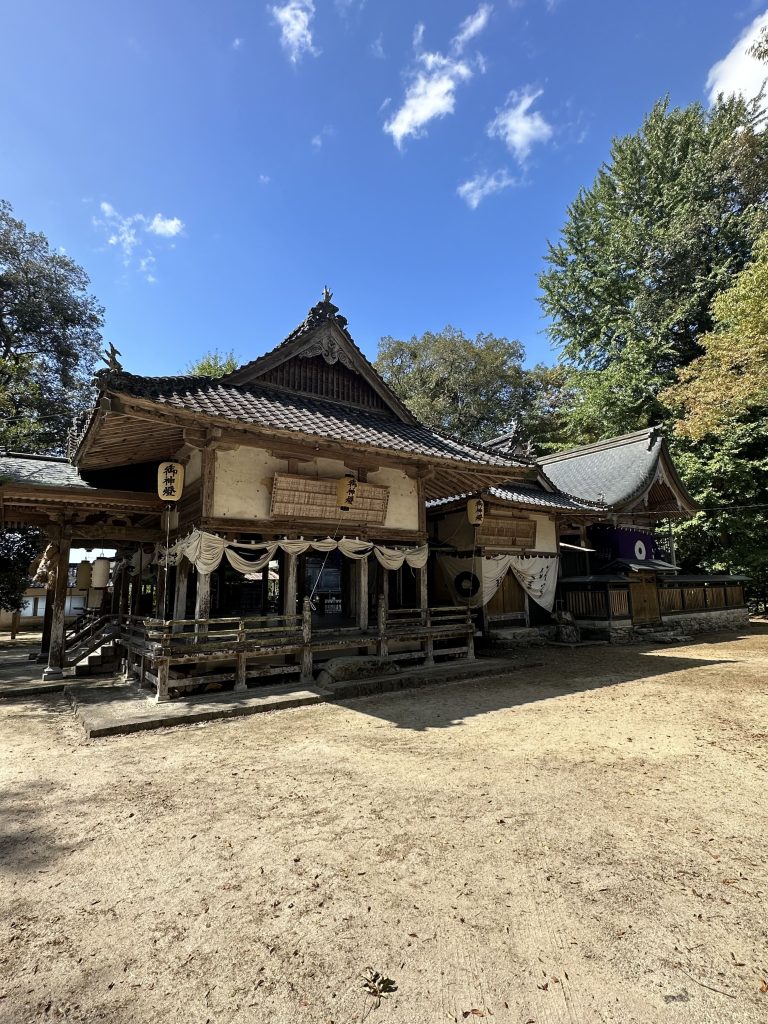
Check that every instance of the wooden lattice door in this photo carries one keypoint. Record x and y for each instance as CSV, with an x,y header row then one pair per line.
x,y
645,601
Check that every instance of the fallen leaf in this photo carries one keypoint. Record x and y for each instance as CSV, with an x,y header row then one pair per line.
x,y
763,986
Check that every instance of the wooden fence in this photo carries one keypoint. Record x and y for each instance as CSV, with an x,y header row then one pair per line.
x,y
182,654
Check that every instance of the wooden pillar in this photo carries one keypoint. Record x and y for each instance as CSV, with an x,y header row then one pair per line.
x,y
55,667
423,592
125,583
306,634
162,583
289,570
362,594
117,583
182,580
382,625
136,581
45,644
162,680
203,601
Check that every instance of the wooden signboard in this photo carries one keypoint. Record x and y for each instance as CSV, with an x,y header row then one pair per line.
x,y
507,532
304,497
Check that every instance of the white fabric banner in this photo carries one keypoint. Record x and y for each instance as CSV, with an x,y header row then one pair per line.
x,y
205,551
537,576
476,580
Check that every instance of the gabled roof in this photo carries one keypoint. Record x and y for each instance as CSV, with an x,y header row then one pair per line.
x,y
39,471
532,497
618,472
322,332
280,410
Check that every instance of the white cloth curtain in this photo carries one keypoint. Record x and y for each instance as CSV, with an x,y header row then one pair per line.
x,y
476,580
205,551
537,576
393,558
246,565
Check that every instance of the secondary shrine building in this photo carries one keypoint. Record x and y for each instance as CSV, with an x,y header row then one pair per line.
x,y
319,519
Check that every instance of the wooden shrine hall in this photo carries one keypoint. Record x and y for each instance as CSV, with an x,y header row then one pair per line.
x,y
300,532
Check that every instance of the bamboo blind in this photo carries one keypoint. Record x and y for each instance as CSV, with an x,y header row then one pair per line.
x,y
508,532
303,497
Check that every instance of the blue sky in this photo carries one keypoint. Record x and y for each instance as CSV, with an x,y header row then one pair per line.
x,y
212,166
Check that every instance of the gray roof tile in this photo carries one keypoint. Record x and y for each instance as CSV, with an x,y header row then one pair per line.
x,y
40,470
282,410
535,497
612,471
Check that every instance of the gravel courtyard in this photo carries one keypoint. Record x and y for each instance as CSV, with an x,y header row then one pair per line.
x,y
582,842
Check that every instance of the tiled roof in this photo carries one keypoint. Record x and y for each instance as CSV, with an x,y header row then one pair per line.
x,y
281,410
612,471
535,497
41,470
540,497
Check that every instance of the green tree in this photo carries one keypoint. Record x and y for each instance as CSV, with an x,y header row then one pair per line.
x,y
470,388
50,334
727,474
18,549
213,364
730,379
666,225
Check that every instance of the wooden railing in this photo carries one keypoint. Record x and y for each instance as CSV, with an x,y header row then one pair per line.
x,y
92,634
587,604
178,652
678,596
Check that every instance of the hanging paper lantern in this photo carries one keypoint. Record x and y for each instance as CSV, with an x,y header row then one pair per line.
x,y
100,574
83,576
346,489
476,511
170,480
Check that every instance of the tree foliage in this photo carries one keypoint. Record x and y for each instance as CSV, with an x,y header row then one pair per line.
x,y
728,475
470,388
667,223
213,364
730,378
18,548
50,334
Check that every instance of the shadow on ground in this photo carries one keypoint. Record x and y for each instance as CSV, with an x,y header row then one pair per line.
x,y
562,674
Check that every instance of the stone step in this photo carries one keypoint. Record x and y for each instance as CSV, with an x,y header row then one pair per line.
x,y
119,709
448,672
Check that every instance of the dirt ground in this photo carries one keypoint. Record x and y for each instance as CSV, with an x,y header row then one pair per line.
x,y
585,842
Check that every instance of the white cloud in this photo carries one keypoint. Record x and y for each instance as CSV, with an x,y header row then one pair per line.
x,y
146,265
327,132
738,72
127,234
520,127
263,179
431,94
472,26
377,48
431,90
483,185
295,21
167,227
237,42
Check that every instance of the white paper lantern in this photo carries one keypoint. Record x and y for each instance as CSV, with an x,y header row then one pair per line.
x,y
83,577
100,574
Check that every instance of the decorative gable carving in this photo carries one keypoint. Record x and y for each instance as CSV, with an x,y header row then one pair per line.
x,y
324,344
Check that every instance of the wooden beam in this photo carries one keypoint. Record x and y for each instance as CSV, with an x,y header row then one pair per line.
x,y
208,480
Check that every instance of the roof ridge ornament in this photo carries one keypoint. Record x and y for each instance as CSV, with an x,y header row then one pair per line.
x,y
109,356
